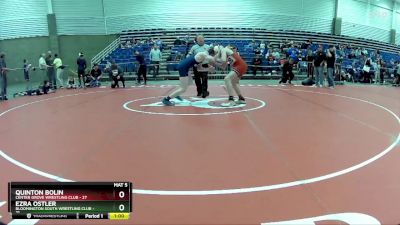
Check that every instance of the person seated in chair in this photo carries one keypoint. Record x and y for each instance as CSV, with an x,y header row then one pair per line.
x,y
116,74
287,72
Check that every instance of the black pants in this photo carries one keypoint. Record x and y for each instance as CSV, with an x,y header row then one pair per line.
x,y
116,80
366,77
52,77
81,77
286,77
201,80
382,75
155,67
142,71
310,69
255,68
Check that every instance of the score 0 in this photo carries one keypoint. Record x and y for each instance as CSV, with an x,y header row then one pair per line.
x,y
122,193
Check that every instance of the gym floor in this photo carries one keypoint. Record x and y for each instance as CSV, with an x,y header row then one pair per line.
x,y
292,153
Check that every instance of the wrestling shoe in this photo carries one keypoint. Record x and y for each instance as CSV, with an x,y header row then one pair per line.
x,y
167,102
229,104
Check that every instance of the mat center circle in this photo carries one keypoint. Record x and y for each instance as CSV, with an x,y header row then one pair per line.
x,y
191,106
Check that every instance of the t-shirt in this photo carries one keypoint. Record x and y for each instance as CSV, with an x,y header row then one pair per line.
x,y
95,73
42,63
155,55
257,61
49,60
57,63
330,61
140,60
197,48
81,62
319,58
115,72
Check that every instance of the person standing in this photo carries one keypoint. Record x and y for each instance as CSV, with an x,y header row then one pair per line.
x,y
42,65
155,58
310,59
318,64
3,77
330,64
27,67
81,62
200,77
142,70
50,70
59,69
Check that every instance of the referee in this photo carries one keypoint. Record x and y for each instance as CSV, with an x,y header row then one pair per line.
x,y
200,77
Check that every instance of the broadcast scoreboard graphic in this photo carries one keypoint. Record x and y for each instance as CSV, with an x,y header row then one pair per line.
x,y
70,200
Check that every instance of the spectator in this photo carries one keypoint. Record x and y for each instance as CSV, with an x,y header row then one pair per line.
x,y
95,76
3,77
364,52
116,74
382,70
170,59
378,54
248,47
155,58
287,72
50,70
352,54
60,70
377,66
276,55
357,53
177,41
142,70
82,65
310,59
305,44
42,65
257,51
397,73
27,67
318,63
128,44
330,64
159,43
71,82
257,64
281,45
271,65
262,47
366,71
